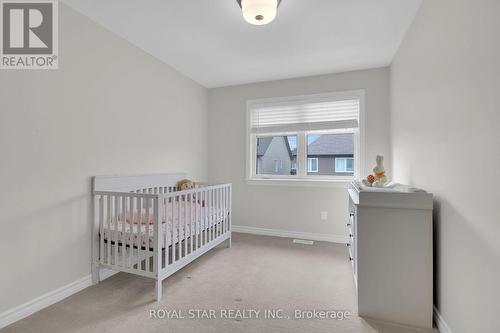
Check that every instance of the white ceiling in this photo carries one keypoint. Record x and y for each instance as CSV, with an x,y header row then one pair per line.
x,y
209,41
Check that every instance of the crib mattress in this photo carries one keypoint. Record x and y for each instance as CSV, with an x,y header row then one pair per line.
x,y
187,221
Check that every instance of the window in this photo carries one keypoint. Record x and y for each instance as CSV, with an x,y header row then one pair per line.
x,y
326,149
273,155
312,165
344,165
316,137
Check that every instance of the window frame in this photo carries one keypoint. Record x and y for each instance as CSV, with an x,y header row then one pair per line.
x,y
345,159
317,166
254,157
301,177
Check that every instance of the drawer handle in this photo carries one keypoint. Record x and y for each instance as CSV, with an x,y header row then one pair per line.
x,y
348,224
350,235
348,244
350,259
351,214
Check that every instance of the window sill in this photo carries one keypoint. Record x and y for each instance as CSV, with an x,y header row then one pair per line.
x,y
335,183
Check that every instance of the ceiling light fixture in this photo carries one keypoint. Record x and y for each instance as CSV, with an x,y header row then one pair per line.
x,y
259,12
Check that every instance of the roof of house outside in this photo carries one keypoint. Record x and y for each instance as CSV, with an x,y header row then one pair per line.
x,y
264,142
334,144
331,144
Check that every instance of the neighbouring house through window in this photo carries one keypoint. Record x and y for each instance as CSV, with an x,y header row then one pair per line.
x,y
273,155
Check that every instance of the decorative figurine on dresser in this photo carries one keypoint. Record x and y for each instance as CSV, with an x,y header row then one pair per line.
x,y
390,247
378,179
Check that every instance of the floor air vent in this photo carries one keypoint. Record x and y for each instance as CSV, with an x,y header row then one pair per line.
x,y
303,241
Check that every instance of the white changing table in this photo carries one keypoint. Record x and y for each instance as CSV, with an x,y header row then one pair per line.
x,y
391,253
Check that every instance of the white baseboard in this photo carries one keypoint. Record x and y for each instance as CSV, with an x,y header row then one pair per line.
x,y
441,325
291,234
24,310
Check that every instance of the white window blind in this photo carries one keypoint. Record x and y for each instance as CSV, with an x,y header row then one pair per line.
x,y
303,115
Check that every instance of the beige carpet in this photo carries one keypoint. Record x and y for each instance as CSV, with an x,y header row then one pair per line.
x,y
257,273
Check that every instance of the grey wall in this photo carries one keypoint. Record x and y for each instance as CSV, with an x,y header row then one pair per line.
x,y
445,138
109,109
285,207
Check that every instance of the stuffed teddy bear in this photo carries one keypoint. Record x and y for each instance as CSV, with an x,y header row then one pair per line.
x,y
184,184
187,184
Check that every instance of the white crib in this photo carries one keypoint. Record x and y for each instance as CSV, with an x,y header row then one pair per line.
x,y
144,226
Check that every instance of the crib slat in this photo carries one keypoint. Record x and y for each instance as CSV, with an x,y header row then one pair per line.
x,y
230,214
156,233
139,232
175,228
116,211
130,236
207,221
214,213
108,239
190,222
223,219
224,210
191,226
219,221
118,201
101,228
123,215
226,216
165,234
207,217
146,231
179,241
186,204
195,217
210,214
147,237
172,222
221,213
198,219
205,224
217,212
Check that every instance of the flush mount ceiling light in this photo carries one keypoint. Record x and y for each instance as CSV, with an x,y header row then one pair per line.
x,y
259,12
